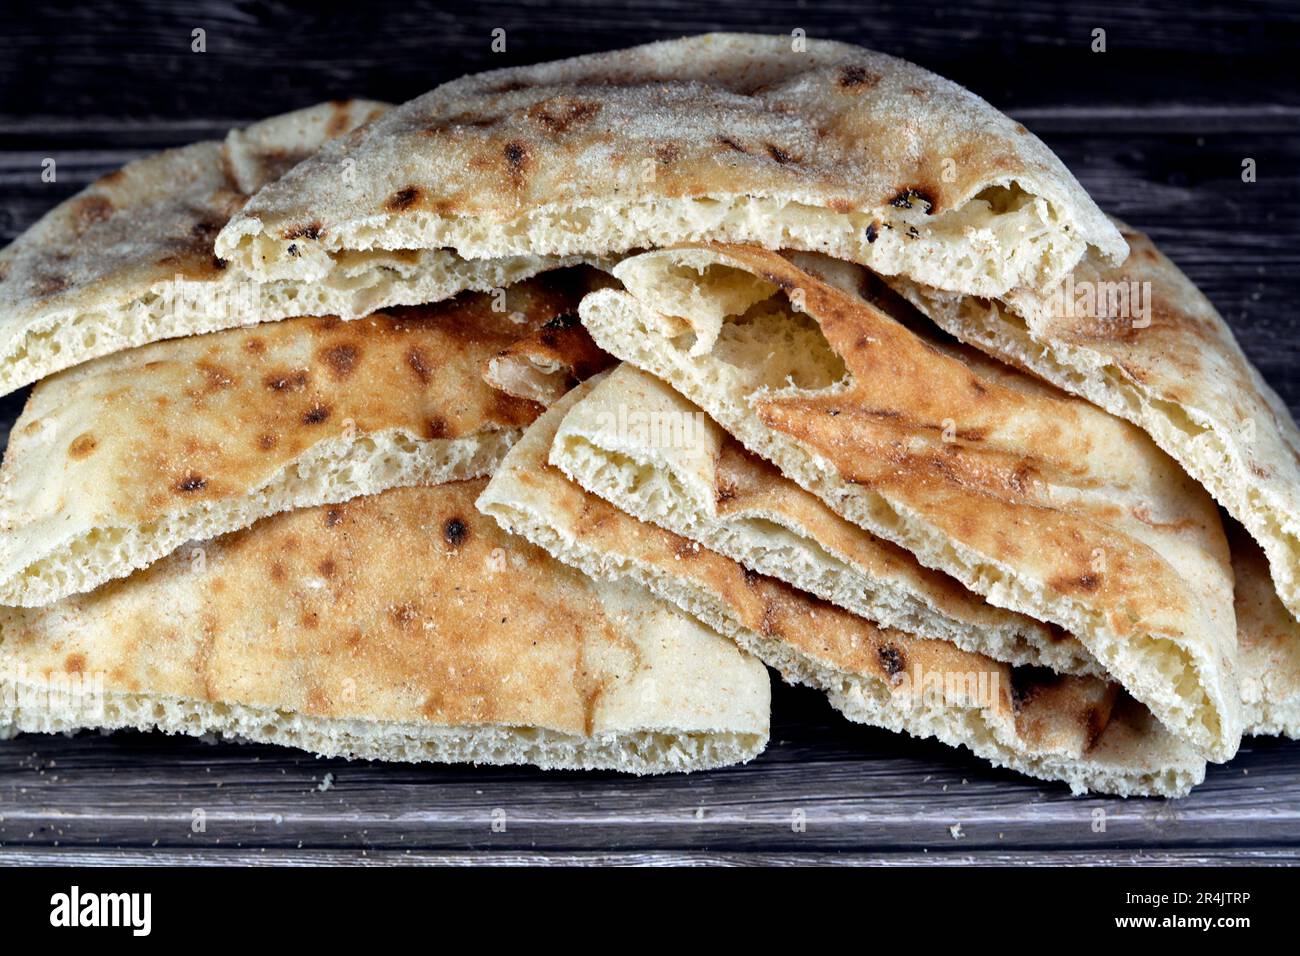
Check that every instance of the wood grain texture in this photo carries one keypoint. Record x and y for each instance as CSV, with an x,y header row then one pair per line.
x,y
265,57
853,789
649,858
1156,128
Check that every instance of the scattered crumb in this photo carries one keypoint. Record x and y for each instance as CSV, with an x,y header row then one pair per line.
x,y
326,783
955,830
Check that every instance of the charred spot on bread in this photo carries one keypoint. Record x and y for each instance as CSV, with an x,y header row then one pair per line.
x,y
342,358
779,155
905,198
309,230
316,414
455,532
191,483
402,200
856,78
419,363
561,114
516,154
286,381
892,659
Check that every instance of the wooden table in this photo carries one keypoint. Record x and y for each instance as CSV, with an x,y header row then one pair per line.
x,y
1156,127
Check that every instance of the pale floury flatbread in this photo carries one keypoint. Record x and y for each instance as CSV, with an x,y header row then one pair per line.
x,y
1141,341
117,462
129,260
1038,501
1269,644
403,626
644,448
727,137
1080,730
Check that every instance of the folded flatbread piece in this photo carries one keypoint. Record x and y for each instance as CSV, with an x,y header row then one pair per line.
x,y
1080,730
403,626
119,461
129,260
1141,341
1268,644
731,137
1038,501
545,364
644,448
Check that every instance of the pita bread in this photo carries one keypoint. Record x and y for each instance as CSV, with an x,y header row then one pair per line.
x,y
1164,359
403,626
1077,729
121,460
1269,641
129,260
641,446
726,137
1038,501
543,366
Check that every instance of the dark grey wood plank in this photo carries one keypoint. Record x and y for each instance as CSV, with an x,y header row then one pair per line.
x,y
858,790
385,858
56,57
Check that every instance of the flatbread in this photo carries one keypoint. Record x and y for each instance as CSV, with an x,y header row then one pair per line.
x,y
543,366
129,260
726,137
1038,501
117,462
1165,360
403,626
1269,644
1080,730
647,450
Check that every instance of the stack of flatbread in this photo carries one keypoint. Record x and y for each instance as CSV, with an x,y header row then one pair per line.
x,y
534,419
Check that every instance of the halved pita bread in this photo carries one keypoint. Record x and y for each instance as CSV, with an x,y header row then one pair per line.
x,y
543,366
1040,502
403,626
1268,644
1152,349
1077,729
644,448
129,260
727,137
119,461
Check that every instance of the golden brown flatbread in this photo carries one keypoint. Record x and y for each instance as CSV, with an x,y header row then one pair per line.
x,y
400,626
1080,730
119,461
1039,501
